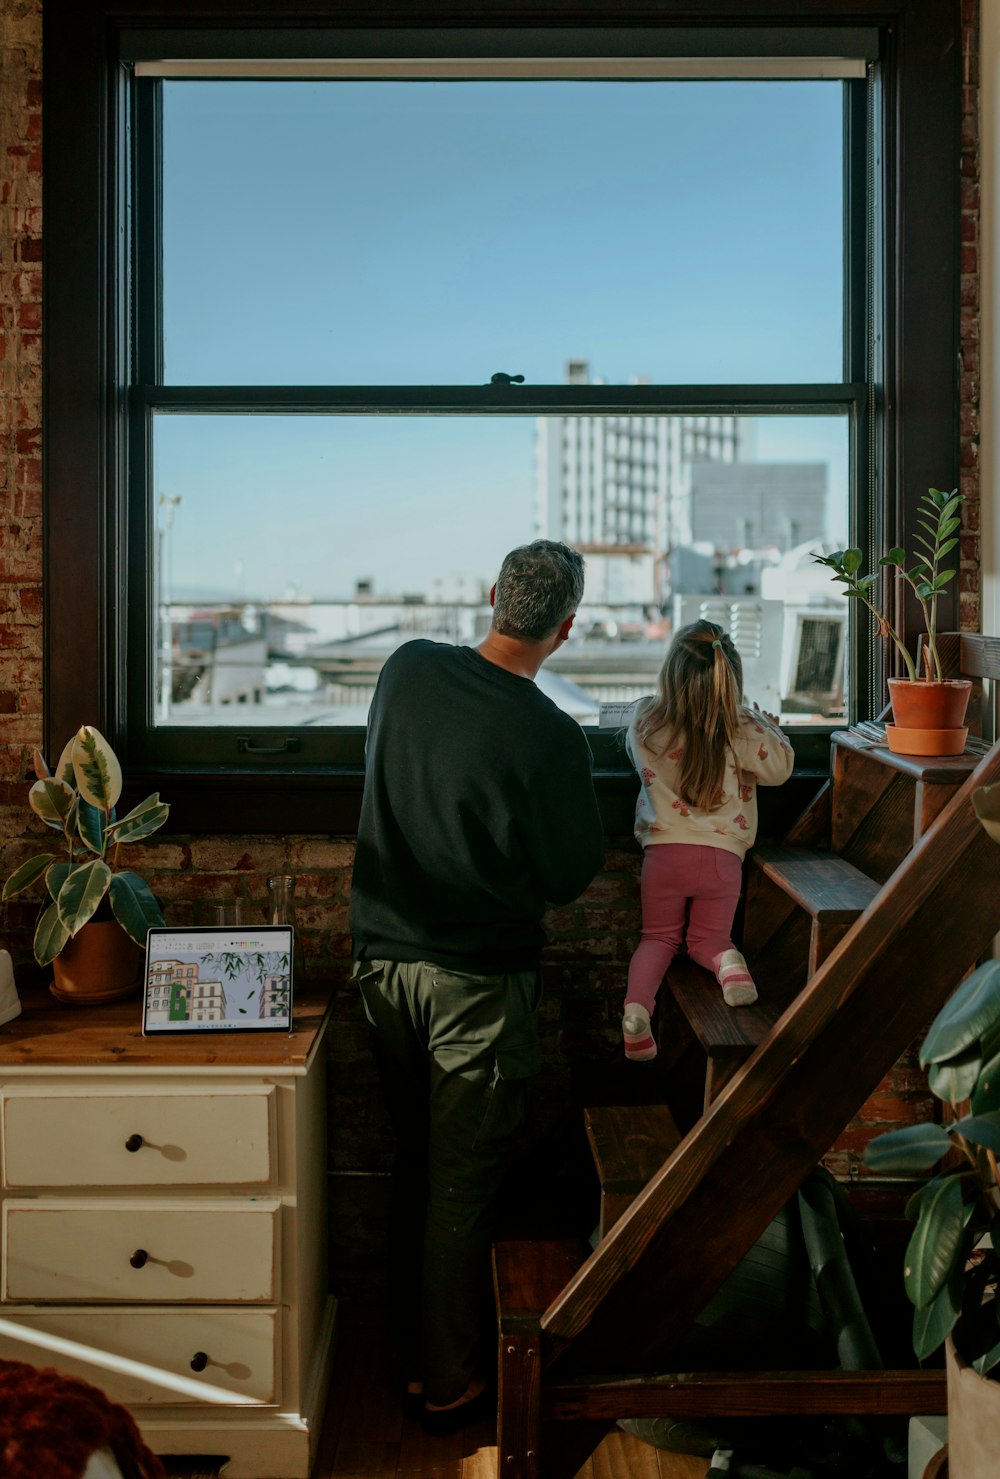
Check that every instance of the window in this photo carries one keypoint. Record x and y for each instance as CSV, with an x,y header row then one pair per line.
x,y
325,255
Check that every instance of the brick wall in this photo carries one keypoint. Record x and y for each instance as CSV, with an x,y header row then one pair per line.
x,y
590,941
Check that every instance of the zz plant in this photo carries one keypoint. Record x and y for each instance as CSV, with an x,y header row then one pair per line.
x,y
78,800
952,1261
923,573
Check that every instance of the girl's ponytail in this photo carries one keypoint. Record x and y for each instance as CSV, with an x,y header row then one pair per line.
x,y
699,703
728,696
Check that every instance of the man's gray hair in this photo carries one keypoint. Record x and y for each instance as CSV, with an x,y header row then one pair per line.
x,y
539,586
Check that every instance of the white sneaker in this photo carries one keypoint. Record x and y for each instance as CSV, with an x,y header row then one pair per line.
x,y
738,989
640,1045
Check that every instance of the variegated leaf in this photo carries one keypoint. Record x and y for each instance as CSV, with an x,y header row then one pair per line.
x,y
95,764
53,801
90,825
64,770
38,765
80,895
50,936
145,818
25,876
57,876
135,906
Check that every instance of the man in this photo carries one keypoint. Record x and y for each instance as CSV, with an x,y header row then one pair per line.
x,y
478,810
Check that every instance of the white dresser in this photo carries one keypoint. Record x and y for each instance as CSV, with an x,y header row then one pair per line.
x,y
164,1201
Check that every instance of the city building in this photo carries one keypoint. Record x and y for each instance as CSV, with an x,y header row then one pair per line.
x,y
618,488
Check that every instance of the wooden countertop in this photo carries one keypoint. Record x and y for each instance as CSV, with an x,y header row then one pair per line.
x,y
49,1034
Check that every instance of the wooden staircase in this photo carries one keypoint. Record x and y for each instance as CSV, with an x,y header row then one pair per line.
x,y
857,928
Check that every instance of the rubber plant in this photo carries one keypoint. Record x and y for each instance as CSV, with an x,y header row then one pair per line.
x,y
923,572
78,800
952,1262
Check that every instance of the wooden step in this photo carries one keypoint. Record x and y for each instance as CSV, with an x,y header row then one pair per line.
x,y
830,890
727,1035
629,1143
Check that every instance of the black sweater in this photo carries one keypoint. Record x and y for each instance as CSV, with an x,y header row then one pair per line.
x,y
478,809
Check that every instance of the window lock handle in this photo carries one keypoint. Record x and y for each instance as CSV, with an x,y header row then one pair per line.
x,y
245,746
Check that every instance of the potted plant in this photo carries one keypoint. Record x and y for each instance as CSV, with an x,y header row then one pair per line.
x,y
952,1262
928,710
94,928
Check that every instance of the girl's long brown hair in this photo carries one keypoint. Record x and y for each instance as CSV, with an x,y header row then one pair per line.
x,y
700,695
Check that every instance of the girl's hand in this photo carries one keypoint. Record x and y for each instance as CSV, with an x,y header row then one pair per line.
x,y
772,718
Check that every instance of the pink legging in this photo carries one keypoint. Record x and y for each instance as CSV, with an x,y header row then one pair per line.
x,y
676,875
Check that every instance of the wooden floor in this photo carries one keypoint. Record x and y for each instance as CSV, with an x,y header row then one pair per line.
x,y
365,1437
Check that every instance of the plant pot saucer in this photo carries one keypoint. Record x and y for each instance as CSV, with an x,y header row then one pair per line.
x,y
925,741
93,998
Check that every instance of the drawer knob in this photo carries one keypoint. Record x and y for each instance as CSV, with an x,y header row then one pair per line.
x,y
138,1258
199,1361
134,1142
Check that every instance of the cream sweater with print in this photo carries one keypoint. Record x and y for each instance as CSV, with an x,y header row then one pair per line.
x,y
764,756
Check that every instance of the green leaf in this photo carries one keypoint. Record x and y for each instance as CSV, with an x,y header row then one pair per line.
x,y
954,1079
24,876
95,764
912,1209
866,581
57,876
50,936
924,590
974,1007
949,526
90,825
896,555
53,801
986,1095
937,1242
135,906
913,1148
933,1322
852,561
981,1129
141,820
943,576
81,893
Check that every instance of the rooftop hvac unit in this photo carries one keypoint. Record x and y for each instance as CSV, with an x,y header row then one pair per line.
x,y
756,627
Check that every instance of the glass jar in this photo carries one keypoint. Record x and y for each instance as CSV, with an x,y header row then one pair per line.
x,y
281,900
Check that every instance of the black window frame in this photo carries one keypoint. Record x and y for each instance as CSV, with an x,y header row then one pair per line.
x,y
901,333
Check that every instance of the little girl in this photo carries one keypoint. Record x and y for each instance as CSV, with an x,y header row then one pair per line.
x,y
699,753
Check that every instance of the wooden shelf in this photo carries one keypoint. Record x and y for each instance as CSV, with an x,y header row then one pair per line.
x,y
49,1033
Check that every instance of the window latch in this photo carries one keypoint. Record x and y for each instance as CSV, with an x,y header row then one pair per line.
x,y
245,746
500,378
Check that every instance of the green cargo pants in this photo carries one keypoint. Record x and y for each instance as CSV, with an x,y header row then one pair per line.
x,y
455,1053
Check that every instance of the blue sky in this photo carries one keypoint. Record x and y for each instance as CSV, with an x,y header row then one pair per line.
x,y
402,233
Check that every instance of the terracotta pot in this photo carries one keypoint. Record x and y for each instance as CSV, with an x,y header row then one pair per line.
x,y
922,705
100,963
973,1420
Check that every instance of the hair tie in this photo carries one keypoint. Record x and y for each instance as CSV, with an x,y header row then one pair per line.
x,y
717,642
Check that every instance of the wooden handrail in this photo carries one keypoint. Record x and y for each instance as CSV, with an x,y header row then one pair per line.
x,y
741,1162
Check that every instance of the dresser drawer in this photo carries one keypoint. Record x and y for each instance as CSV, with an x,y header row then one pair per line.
x,y
239,1345
223,1137
212,1251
